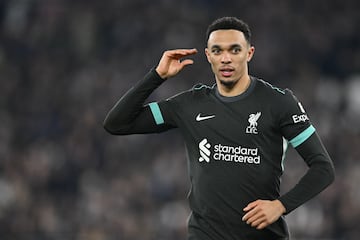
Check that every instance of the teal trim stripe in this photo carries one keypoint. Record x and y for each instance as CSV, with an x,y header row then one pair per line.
x,y
156,113
299,139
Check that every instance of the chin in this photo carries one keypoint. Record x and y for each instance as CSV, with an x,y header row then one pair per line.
x,y
228,83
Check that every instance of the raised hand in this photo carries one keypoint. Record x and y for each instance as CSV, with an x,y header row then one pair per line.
x,y
172,62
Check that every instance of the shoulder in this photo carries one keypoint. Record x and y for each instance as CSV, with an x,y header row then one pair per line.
x,y
273,91
199,90
281,102
200,87
268,87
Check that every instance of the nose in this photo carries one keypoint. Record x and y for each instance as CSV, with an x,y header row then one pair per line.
x,y
225,58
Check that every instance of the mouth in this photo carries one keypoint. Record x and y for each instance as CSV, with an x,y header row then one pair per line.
x,y
226,71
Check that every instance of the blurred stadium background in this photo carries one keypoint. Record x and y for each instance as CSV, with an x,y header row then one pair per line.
x,y
64,63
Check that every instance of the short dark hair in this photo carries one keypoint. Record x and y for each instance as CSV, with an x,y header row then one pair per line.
x,y
227,23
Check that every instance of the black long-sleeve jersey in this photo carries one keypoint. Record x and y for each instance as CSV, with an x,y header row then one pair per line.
x,y
236,148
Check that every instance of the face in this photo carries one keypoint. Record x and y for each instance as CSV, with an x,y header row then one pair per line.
x,y
228,54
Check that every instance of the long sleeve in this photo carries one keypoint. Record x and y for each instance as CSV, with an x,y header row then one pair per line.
x,y
319,175
130,115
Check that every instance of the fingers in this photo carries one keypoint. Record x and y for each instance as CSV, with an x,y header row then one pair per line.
x,y
262,225
172,62
262,213
256,218
251,205
258,221
180,53
253,214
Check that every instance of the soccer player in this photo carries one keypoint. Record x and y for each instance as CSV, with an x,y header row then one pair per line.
x,y
236,133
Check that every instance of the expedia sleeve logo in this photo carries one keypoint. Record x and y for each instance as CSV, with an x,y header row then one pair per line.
x,y
300,118
219,152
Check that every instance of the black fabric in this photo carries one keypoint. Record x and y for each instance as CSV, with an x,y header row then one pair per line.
x,y
130,115
319,175
235,151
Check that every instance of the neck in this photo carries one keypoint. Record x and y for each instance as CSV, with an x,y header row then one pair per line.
x,y
234,89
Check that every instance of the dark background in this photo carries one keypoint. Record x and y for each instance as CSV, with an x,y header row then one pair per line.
x,y
63,64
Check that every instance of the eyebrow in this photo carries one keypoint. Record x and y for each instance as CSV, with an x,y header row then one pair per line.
x,y
232,46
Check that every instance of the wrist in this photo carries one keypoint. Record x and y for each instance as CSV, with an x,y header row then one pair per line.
x,y
156,75
160,74
281,206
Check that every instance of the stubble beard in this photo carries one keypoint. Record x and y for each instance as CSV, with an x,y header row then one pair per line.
x,y
229,84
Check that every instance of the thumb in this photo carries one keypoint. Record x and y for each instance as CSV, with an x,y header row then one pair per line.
x,y
186,62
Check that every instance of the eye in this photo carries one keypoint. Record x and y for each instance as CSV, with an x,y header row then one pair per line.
x,y
236,50
216,51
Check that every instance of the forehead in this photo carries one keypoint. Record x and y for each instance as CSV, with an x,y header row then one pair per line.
x,y
226,37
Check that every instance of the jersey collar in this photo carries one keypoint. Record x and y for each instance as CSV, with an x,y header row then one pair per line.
x,y
243,95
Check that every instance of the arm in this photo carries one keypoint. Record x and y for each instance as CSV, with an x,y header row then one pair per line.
x,y
130,115
262,213
321,173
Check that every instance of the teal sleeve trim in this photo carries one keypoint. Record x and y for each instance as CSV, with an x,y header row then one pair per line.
x,y
156,113
299,139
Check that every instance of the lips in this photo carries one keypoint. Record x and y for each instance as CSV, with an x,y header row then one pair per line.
x,y
227,71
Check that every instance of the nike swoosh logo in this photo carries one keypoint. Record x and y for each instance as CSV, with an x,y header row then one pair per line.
x,y
201,118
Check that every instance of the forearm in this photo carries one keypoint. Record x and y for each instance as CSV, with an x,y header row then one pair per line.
x,y
320,174
129,115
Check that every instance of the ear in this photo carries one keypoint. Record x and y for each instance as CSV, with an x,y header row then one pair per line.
x,y
207,53
251,52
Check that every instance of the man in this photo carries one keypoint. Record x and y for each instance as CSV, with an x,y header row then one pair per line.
x,y
236,133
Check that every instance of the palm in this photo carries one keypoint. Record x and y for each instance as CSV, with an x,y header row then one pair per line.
x,y
170,63
174,66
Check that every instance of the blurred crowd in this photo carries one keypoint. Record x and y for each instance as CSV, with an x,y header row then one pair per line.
x,y
64,63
